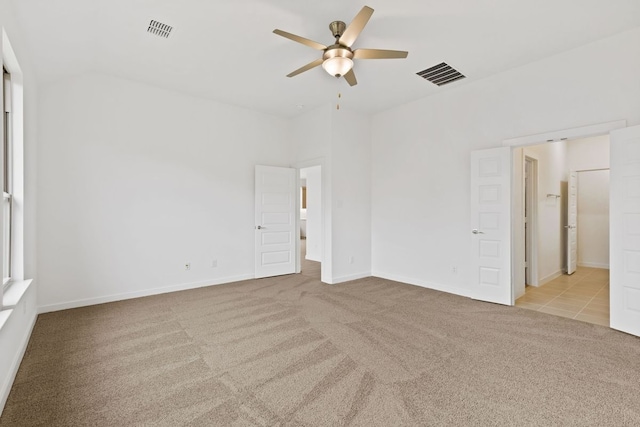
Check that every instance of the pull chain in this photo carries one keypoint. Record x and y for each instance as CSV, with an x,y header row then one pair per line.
x,y
339,94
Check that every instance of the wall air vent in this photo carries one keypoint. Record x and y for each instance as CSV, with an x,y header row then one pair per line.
x,y
159,29
441,74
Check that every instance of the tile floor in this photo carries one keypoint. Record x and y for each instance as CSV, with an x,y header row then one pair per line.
x,y
582,296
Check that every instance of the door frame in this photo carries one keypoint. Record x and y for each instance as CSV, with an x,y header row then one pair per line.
x,y
571,226
517,254
532,229
325,223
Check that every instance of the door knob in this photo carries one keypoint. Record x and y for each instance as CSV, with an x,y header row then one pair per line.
x,y
476,231
260,227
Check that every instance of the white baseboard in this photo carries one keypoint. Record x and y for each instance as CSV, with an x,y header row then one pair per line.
x,y
593,265
138,294
549,278
350,277
422,283
13,370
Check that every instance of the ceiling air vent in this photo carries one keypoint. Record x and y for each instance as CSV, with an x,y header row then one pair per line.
x,y
441,74
159,29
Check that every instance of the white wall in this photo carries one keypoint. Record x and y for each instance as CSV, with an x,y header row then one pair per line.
x,y
420,158
311,138
311,134
341,141
588,153
351,194
551,174
314,213
15,332
593,219
136,181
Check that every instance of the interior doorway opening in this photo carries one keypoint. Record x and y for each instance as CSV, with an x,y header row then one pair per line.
x,y
310,207
565,224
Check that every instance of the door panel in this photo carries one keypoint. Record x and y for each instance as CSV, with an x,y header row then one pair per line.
x,y
572,224
624,286
275,196
491,225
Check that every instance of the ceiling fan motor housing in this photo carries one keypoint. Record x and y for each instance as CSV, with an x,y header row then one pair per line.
x,y
337,51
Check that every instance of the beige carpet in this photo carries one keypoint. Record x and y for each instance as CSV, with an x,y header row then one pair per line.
x,y
292,351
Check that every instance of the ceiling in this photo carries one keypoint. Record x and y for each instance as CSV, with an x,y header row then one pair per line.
x,y
225,50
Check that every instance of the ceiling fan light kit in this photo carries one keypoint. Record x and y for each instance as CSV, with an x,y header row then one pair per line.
x,y
337,59
337,66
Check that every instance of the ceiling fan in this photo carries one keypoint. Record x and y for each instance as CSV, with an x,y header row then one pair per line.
x,y
337,59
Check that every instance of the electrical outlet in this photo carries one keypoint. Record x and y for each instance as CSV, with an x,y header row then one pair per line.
x,y
187,266
454,269
214,263
351,260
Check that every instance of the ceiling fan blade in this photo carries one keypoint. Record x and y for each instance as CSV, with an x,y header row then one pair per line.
x,y
299,39
350,77
307,67
378,54
355,27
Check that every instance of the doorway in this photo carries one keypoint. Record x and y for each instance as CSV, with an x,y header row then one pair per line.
x,y
311,237
497,256
572,199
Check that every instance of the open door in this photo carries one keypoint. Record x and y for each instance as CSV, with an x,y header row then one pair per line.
x,y
491,225
275,221
624,211
572,224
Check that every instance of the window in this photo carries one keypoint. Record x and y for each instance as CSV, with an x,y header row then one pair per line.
x,y
7,195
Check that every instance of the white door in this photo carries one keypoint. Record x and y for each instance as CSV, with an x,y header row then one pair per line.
x,y
572,224
491,225
275,218
624,210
